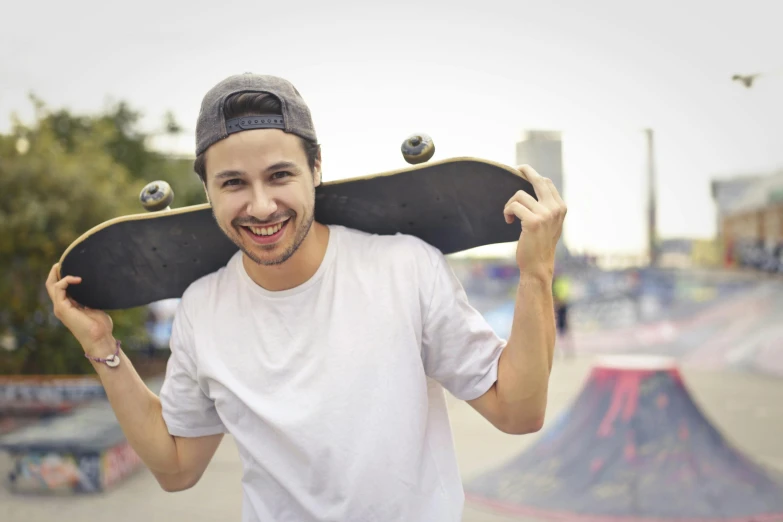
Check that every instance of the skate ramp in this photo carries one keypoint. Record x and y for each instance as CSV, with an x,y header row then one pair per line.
x,y
633,446
743,332
712,325
81,451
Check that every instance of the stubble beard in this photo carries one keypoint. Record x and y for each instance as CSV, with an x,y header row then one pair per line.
x,y
301,233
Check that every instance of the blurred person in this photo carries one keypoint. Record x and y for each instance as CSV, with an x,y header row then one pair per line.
x,y
561,293
324,351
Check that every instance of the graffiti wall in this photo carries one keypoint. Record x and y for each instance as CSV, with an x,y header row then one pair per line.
x,y
39,394
88,472
9,423
56,472
117,463
82,451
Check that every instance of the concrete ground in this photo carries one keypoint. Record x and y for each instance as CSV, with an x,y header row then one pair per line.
x,y
748,409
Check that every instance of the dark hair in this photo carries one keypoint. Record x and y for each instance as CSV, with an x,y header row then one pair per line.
x,y
250,104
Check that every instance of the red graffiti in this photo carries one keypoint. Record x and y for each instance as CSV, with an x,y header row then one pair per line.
x,y
625,397
119,462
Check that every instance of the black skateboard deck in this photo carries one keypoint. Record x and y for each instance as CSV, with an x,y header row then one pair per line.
x,y
454,205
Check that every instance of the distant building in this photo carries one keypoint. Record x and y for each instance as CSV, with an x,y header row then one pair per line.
x,y
688,253
728,195
750,220
543,150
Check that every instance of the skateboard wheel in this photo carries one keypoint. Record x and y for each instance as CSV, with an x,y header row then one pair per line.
x,y
418,148
156,195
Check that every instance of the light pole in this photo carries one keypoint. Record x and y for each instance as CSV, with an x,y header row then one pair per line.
x,y
652,228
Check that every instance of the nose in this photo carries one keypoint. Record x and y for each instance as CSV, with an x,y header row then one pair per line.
x,y
261,205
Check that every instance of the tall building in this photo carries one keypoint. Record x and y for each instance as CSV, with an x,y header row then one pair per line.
x,y
543,150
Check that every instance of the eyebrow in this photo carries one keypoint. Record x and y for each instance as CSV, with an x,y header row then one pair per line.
x,y
282,165
229,174
238,173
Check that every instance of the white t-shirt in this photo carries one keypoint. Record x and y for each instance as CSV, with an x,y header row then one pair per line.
x,y
333,390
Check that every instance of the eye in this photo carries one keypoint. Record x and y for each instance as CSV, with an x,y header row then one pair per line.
x,y
232,182
281,174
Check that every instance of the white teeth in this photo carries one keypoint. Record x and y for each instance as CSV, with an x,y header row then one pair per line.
x,y
267,231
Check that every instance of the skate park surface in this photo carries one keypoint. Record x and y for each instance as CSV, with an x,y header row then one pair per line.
x,y
729,356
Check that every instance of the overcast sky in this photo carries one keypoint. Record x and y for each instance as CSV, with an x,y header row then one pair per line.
x,y
474,75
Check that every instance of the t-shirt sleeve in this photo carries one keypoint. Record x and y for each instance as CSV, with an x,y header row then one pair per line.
x,y
459,347
187,410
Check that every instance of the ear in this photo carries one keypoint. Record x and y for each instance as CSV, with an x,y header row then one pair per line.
x,y
317,170
206,192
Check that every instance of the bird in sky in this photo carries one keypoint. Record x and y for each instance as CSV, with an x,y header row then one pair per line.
x,y
747,80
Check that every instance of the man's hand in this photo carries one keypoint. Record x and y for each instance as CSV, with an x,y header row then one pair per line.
x,y
542,223
92,328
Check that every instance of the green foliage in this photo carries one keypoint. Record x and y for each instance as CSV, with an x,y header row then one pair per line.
x,y
59,177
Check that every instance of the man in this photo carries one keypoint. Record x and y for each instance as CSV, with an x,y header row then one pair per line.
x,y
323,350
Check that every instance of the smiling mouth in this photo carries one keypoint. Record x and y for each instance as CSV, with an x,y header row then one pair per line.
x,y
266,234
267,231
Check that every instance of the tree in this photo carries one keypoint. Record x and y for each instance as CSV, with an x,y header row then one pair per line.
x,y
129,146
59,177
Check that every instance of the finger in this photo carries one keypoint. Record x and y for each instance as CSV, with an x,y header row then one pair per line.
x,y
529,201
51,280
517,209
560,209
555,193
538,181
60,287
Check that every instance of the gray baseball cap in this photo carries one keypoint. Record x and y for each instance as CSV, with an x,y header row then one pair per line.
x,y
212,125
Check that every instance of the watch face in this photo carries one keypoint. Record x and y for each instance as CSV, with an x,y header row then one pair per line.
x,y
113,361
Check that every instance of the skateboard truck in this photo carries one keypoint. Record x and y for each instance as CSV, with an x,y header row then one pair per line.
x,y
156,195
418,148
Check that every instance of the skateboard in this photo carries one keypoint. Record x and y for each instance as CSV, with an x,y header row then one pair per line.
x,y
453,204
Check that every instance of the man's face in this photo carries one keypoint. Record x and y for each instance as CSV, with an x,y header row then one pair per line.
x,y
262,192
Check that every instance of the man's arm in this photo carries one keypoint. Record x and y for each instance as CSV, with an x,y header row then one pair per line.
x,y
516,402
176,462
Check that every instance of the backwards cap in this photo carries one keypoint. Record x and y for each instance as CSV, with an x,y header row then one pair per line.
x,y
212,125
